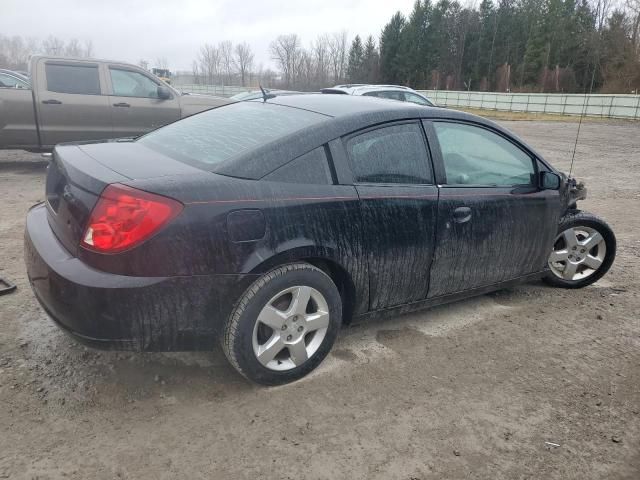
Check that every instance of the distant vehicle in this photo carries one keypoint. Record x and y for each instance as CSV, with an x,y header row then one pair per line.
x,y
13,79
163,74
393,92
81,99
256,94
266,225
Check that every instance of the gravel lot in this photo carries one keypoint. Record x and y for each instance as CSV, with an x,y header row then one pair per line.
x,y
471,390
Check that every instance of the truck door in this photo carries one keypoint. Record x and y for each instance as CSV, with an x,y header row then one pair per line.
x,y
17,121
70,102
135,105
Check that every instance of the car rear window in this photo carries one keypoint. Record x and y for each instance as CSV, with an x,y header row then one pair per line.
x,y
211,137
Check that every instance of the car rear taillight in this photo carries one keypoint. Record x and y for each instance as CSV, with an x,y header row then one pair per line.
x,y
125,217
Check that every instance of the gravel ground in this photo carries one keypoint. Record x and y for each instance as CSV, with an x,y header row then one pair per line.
x,y
470,390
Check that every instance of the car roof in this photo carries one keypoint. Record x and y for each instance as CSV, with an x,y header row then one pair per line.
x,y
344,114
341,105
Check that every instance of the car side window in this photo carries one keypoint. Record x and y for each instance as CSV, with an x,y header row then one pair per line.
x,y
78,79
127,83
392,154
312,168
8,81
370,94
476,156
392,94
413,98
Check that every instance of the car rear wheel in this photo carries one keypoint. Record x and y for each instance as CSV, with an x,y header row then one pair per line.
x,y
284,325
583,251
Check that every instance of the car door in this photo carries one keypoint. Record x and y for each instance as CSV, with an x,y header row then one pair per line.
x,y
135,105
494,223
70,103
393,176
17,121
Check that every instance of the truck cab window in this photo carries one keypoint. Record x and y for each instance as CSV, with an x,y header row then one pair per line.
x,y
78,79
127,83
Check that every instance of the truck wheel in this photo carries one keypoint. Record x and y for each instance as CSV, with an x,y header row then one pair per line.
x,y
284,325
583,251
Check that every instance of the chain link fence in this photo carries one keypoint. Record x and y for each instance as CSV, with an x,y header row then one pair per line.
x,y
594,105
218,90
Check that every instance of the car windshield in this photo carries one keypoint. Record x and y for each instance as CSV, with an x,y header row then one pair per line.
x,y
210,138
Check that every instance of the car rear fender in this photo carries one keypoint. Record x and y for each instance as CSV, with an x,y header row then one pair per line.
x,y
354,292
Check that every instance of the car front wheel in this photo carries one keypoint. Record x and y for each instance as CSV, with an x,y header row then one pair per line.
x,y
284,324
583,251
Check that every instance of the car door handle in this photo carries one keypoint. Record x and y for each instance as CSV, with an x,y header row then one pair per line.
x,y
52,102
462,214
121,104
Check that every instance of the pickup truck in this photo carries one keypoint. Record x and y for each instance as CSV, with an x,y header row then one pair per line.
x,y
69,100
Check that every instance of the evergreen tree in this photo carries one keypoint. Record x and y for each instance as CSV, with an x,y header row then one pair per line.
x,y
390,44
356,60
370,62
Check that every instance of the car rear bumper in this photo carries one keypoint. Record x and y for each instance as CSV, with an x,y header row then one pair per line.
x,y
123,312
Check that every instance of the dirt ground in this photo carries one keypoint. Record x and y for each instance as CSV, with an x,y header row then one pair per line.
x,y
470,390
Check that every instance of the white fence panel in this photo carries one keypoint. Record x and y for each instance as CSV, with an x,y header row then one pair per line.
x,y
595,105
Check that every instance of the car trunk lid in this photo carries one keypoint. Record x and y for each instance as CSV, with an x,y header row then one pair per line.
x,y
73,186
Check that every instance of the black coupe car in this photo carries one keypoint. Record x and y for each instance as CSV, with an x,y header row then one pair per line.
x,y
266,225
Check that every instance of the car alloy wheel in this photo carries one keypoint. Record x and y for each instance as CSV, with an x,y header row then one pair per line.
x,y
578,253
290,328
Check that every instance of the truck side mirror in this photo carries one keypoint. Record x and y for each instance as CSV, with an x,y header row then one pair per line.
x,y
549,181
164,93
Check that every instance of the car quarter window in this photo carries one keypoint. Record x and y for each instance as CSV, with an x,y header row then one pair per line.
x,y
391,154
78,79
127,83
476,156
310,168
413,98
392,94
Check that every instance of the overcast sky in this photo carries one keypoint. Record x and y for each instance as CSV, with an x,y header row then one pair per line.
x,y
131,30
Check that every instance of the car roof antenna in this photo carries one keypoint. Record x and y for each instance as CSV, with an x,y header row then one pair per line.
x,y
575,145
265,95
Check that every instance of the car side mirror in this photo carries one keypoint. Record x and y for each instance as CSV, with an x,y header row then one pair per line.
x,y
164,93
549,181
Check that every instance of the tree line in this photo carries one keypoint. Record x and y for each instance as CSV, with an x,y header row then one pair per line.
x,y
500,45
519,45
15,51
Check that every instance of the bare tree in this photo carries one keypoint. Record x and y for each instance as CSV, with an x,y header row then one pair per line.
x,y
243,61
209,62
53,46
143,64
285,51
226,59
338,55
88,48
73,48
161,62
320,51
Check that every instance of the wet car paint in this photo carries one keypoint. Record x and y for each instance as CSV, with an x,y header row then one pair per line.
x,y
389,248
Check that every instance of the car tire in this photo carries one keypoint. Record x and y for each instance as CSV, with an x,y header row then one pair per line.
x,y
263,321
594,246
